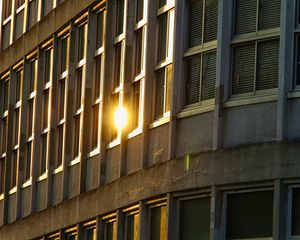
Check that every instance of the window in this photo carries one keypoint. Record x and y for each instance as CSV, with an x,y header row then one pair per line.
x,y
255,60
71,234
18,76
158,222
200,56
140,4
46,101
164,69
250,215
79,87
89,232
110,229
98,80
19,3
295,228
47,6
4,91
116,98
63,47
6,8
31,94
131,230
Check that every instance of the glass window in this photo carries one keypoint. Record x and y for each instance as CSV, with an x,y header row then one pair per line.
x,y
250,215
158,223
296,212
132,226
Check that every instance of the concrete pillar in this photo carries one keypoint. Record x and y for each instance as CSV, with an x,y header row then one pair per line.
x,y
223,69
217,218
286,60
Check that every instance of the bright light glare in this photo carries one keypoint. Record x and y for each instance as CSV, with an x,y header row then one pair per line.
x,y
120,117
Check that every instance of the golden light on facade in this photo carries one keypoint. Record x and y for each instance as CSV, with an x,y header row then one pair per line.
x,y
120,117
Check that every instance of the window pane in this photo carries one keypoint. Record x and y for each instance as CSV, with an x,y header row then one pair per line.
x,y
195,20
27,165
162,40
132,227
64,54
2,174
245,16
95,126
30,118
78,86
61,99
18,85
47,6
267,64
81,41
296,212
16,126
160,93
111,231
33,12
139,10
33,76
158,218
76,135
118,59
298,59
269,14
136,104
100,29
7,4
114,105
138,51
243,69
5,86
208,76
195,219
162,3
90,234
211,20
250,215
97,79
13,169
3,135
59,141
120,17
44,147
45,109
48,66
193,70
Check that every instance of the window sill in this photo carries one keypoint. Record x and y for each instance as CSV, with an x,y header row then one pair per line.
x,y
160,122
250,100
12,191
74,161
134,133
114,143
294,94
191,111
58,170
42,177
27,183
94,152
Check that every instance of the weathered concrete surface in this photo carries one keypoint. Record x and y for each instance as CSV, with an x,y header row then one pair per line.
x,y
246,164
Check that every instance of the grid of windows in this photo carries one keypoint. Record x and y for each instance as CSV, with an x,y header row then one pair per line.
x,y
255,62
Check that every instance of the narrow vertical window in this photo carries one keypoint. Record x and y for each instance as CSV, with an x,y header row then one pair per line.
x,y
110,229
132,226
164,67
158,223
295,228
120,17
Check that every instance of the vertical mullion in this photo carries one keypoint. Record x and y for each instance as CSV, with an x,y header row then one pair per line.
x,y
257,14
203,22
255,68
201,78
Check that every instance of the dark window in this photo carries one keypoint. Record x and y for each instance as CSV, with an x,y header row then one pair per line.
x,y
296,212
120,17
250,215
195,219
44,149
32,77
136,104
138,51
100,29
48,66
139,10
81,41
163,37
158,223
118,58
2,174
6,8
132,227
78,90
64,54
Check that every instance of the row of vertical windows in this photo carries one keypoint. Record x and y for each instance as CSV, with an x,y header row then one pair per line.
x,y
247,215
12,30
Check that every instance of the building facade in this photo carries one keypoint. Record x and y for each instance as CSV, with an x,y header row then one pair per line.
x,y
211,147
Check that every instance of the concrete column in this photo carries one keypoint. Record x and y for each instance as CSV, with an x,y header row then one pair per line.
x,y
143,224
223,69
280,210
120,225
286,64
172,227
217,223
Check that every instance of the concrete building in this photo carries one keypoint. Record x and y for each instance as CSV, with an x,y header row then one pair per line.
x,y
211,148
